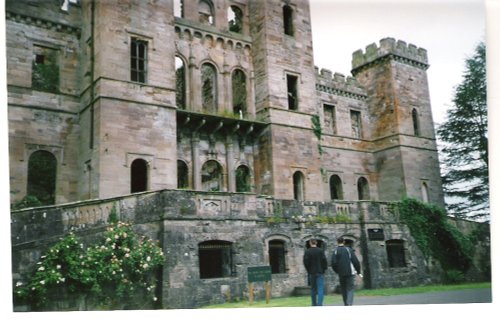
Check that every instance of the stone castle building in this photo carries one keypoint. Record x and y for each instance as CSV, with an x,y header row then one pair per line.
x,y
215,106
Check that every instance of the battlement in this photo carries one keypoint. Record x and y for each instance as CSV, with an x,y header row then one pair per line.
x,y
338,84
392,49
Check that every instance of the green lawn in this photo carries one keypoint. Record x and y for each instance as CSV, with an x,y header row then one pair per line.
x,y
304,301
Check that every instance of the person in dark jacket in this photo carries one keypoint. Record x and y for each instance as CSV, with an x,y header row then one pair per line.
x,y
346,265
316,264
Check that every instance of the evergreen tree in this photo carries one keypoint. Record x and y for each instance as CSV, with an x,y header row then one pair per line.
x,y
464,136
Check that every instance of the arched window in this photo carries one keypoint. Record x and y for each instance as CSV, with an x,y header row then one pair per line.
x,y
239,86
395,253
211,176
182,175
179,8
288,20
425,193
277,257
42,170
298,186
363,189
208,88
243,179
235,19
216,259
205,12
416,125
180,83
138,176
336,192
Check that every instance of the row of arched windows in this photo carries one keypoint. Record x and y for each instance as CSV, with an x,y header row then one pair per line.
x,y
209,89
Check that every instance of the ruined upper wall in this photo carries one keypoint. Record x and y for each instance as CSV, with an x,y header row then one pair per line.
x,y
390,48
338,84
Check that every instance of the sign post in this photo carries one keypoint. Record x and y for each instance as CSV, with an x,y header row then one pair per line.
x,y
259,274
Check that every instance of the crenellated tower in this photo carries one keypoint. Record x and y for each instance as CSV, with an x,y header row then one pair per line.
x,y
401,125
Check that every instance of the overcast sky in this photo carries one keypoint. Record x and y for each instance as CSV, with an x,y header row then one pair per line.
x,y
448,29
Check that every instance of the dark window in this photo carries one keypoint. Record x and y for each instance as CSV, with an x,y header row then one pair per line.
x,y
395,253
277,256
330,121
205,12
291,83
376,234
211,176
45,69
243,179
235,19
298,186
208,88
180,83
336,192
356,124
138,60
416,127
216,259
288,20
182,175
42,169
138,176
425,193
238,82
363,189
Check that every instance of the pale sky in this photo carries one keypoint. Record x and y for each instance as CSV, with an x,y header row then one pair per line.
x,y
448,29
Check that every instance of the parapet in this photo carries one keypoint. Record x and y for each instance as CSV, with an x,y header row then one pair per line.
x,y
390,48
338,84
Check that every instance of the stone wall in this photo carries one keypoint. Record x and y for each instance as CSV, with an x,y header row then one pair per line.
x,y
181,220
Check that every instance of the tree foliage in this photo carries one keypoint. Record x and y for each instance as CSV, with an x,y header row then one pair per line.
x,y
464,136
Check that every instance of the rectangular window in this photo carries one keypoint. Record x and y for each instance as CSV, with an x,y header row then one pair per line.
x,y
291,83
45,69
138,60
330,122
356,124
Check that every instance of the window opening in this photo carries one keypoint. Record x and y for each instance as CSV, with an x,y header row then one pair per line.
x,y
356,124
182,175
180,83
138,60
179,8
330,121
363,189
239,87
42,170
205,12
425,193
416,127
215,259
211,176
336,192
235,19
277,256
45,69
298,186
288,20
291,83
395,253
243,179
139,176
209,88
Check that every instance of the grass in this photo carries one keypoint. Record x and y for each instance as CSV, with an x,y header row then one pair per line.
x,y
304,301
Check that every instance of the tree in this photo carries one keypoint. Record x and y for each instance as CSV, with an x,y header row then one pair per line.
x,y
464,136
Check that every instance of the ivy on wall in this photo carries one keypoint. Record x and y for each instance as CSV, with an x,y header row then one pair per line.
x,y
435,236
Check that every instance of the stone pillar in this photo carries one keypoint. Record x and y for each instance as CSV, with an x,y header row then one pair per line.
x,y
231,181
195,155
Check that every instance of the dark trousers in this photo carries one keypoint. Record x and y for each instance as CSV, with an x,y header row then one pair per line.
x,y
317,282
347,288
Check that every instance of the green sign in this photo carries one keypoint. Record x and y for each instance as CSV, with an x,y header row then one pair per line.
x,y
259,273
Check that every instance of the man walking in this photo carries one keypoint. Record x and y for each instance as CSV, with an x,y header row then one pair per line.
x,y
346,265
316,264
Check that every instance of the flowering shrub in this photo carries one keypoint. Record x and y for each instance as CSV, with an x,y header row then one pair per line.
x,y
119,269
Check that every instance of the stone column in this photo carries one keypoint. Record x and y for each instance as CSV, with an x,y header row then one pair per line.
x,y
231,181
195,155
